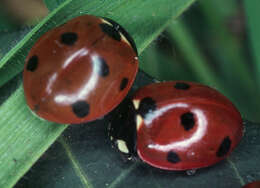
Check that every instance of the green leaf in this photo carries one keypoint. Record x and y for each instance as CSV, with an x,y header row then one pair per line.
x,y
252,15
52,4
8,89
190,50
11,39
144,26
229,51
164,66
83,157
24,137
208,73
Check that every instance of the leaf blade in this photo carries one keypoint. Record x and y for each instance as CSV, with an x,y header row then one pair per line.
x,y
252,15
17,155
139,20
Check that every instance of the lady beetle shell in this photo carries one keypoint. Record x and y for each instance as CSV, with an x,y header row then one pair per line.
x,y
80,71
255,184
179,126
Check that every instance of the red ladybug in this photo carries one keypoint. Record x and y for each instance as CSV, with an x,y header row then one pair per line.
x,y
255,184
179,126
80,71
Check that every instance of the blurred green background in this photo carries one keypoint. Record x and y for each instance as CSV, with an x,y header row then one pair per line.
x,y
215,43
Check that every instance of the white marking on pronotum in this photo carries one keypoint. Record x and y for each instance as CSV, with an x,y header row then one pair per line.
x,y
139,121
122,146
117,27
124,39
107,22
136,103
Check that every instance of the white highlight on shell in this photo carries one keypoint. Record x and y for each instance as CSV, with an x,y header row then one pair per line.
x,y
121,144
77,54
50,83
183,144
157,113
136,103
139,121
87,87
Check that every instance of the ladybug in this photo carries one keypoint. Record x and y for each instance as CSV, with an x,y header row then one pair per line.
x,y
80,71
255,184
177,126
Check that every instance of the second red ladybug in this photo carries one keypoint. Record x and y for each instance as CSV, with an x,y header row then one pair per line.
x,y
178,126
80,71
255,184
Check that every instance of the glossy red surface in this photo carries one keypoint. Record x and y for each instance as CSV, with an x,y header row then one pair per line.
x,y
72,69
161,136
255,184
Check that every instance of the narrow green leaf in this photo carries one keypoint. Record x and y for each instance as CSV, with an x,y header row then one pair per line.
x,y
252,15
144,21
232,60
164,66
195,58
231,53
23,138
11,38
232,87
149,61
12,63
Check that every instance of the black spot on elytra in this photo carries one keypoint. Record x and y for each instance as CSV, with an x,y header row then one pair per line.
x,y
173,157
187,120
36,107
103,68
124,83
182,86
120,29
80,109
32,63
147,105
69,38
224,147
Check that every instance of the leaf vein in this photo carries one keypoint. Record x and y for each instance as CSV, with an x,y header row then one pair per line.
x,y
83,177
233,166
122,175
